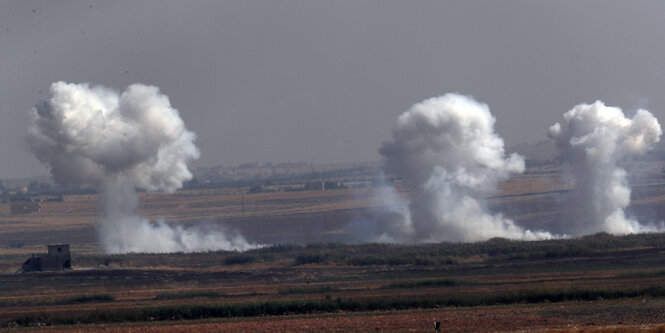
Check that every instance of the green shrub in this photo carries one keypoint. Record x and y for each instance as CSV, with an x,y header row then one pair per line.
x,y
427,283
310,258
89,298
240,259
366,261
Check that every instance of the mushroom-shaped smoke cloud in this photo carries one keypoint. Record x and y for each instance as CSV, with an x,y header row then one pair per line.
x,y
91,135
594,140
446,148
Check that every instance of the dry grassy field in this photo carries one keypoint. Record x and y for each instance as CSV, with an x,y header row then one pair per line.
x,y
596,282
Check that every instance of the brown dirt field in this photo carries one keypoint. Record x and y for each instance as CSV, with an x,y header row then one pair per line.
x,y
532,200
136,288
621,316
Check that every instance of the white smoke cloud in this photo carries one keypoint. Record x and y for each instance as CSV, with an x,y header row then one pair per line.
x,y
446,148
594,140
121,231
388,222
92,135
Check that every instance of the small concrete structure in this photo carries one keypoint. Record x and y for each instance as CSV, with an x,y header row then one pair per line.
x,y
324,185
58,258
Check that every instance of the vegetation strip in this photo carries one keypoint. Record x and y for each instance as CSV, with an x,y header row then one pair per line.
x,y
328,304
496,250
647,274
428,283
60,301
308,290
190,294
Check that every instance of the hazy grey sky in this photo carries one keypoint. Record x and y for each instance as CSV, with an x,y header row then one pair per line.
x,y
324,81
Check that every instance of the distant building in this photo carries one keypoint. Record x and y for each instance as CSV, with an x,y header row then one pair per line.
x,y
323,185
58,258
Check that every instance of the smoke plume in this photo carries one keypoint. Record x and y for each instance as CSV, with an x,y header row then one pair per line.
x,y
594,140
388,222
117,142
446,148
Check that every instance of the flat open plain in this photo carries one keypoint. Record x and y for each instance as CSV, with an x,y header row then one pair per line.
x,y
594,282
